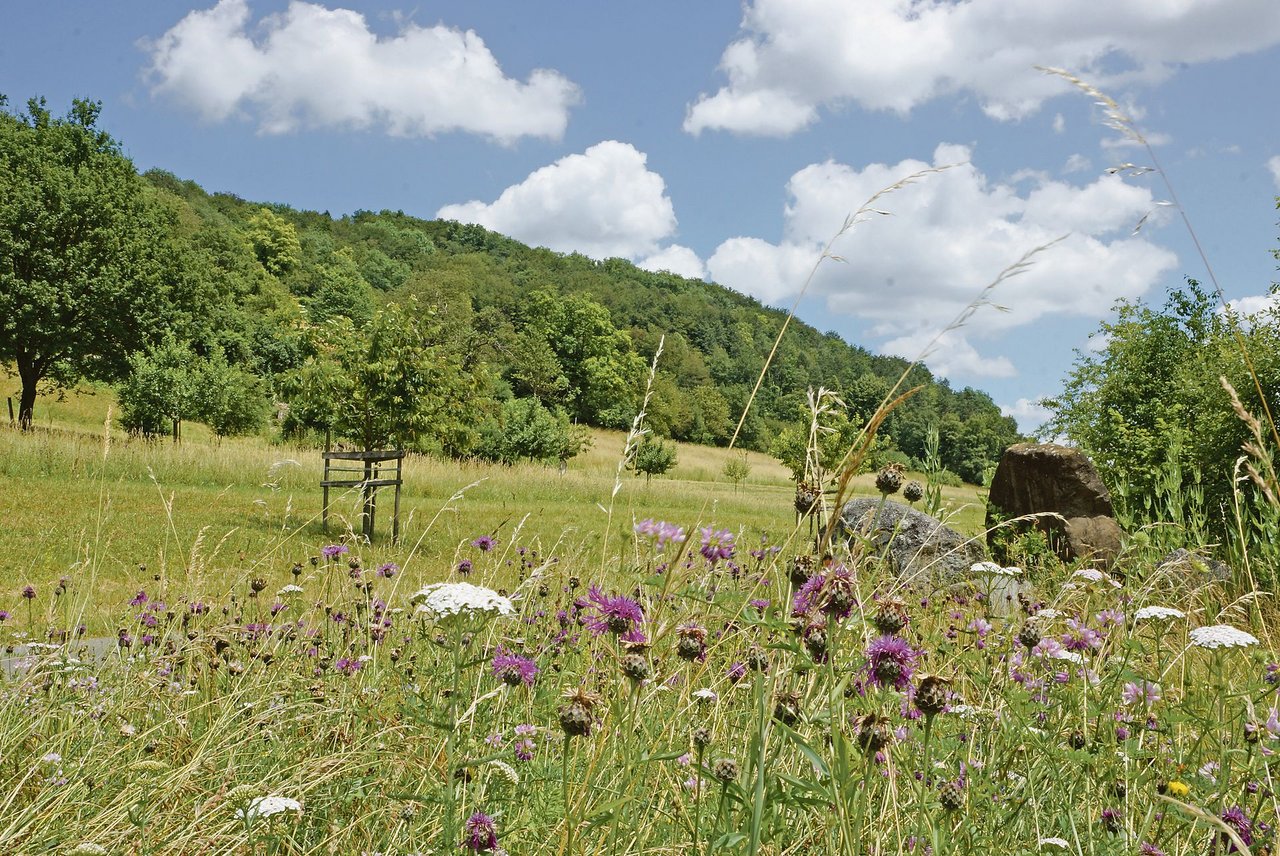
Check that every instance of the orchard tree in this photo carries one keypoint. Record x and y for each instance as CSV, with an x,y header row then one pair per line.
x,y
654,457
85,275
402,381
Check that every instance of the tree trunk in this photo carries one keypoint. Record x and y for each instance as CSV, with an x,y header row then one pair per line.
x,y
30,376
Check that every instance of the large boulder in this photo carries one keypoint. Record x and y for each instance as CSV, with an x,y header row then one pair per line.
x,y
917,544
1061,485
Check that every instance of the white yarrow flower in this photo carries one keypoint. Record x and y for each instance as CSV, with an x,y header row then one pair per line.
x,y
1158,613
1222,636
993,569
1059,843
705,695
442,599
288,590
268,806
1046,615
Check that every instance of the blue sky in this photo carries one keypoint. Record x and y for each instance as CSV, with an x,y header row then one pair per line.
x,y
731,141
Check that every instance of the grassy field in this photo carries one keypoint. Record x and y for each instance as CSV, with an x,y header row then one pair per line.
x,y
206,516
631,697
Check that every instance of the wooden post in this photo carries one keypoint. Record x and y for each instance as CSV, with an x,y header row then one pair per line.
x,y
368,493
324,511
9,398
395,515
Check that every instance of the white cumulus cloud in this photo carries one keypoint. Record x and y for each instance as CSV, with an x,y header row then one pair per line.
x,y
909,275
1274,165
314,67
797,56
602,203
676,259
1029,412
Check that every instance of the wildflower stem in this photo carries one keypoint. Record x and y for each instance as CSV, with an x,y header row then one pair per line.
x,y
924,777
564,795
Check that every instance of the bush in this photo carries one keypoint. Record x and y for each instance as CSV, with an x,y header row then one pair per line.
x,y
527,431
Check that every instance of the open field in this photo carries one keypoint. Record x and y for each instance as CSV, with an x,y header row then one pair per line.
x,y
207,516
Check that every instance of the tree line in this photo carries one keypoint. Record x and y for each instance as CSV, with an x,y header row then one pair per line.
x,y
381,328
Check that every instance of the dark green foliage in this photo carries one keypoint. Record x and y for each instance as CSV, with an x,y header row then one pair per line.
x,y
654,457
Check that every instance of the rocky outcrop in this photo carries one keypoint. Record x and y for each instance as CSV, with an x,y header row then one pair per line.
x,y
915,543
1061,485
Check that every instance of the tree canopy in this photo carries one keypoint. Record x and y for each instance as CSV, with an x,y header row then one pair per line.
x,y
87,272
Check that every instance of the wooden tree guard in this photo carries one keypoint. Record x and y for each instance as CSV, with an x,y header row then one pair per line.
x,y
370,465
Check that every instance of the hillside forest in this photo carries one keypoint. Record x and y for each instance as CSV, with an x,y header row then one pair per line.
x,y
385,329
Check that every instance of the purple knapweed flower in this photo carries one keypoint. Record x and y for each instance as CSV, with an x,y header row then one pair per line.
x,y
388,570
139,599
29,592
616,614
5,615
481,834
485,543
464,567
348,665
890,662
512,669
1235,818
333,551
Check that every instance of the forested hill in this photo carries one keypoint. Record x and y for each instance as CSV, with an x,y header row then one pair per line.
x,y
567,331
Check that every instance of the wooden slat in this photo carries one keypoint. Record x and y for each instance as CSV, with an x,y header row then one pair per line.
x,y
360,483
364,456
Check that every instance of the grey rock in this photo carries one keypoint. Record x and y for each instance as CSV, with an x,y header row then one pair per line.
x,y
1193,567
915,543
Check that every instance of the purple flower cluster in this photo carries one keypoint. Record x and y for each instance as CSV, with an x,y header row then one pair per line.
x,y
512,669
485,543
717,544
661,531
890,662
615,614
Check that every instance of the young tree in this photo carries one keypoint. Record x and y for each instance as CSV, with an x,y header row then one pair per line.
x,y
160,391
736,469
654,457
85,272
402,381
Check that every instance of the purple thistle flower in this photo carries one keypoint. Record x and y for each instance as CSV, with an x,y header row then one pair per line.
x,y
890,662
759,603
512,669
616,614
29,592
139,599
333,551
348,665
1235,818
464,567
388,570
481,833
1146,848
737,671
485,543
5,615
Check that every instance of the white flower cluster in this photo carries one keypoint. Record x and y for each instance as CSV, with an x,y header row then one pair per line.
x,y
1059,843
1093,575
288,590
1046,615
1222,636
993,569
1158,613
442,599
268,806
